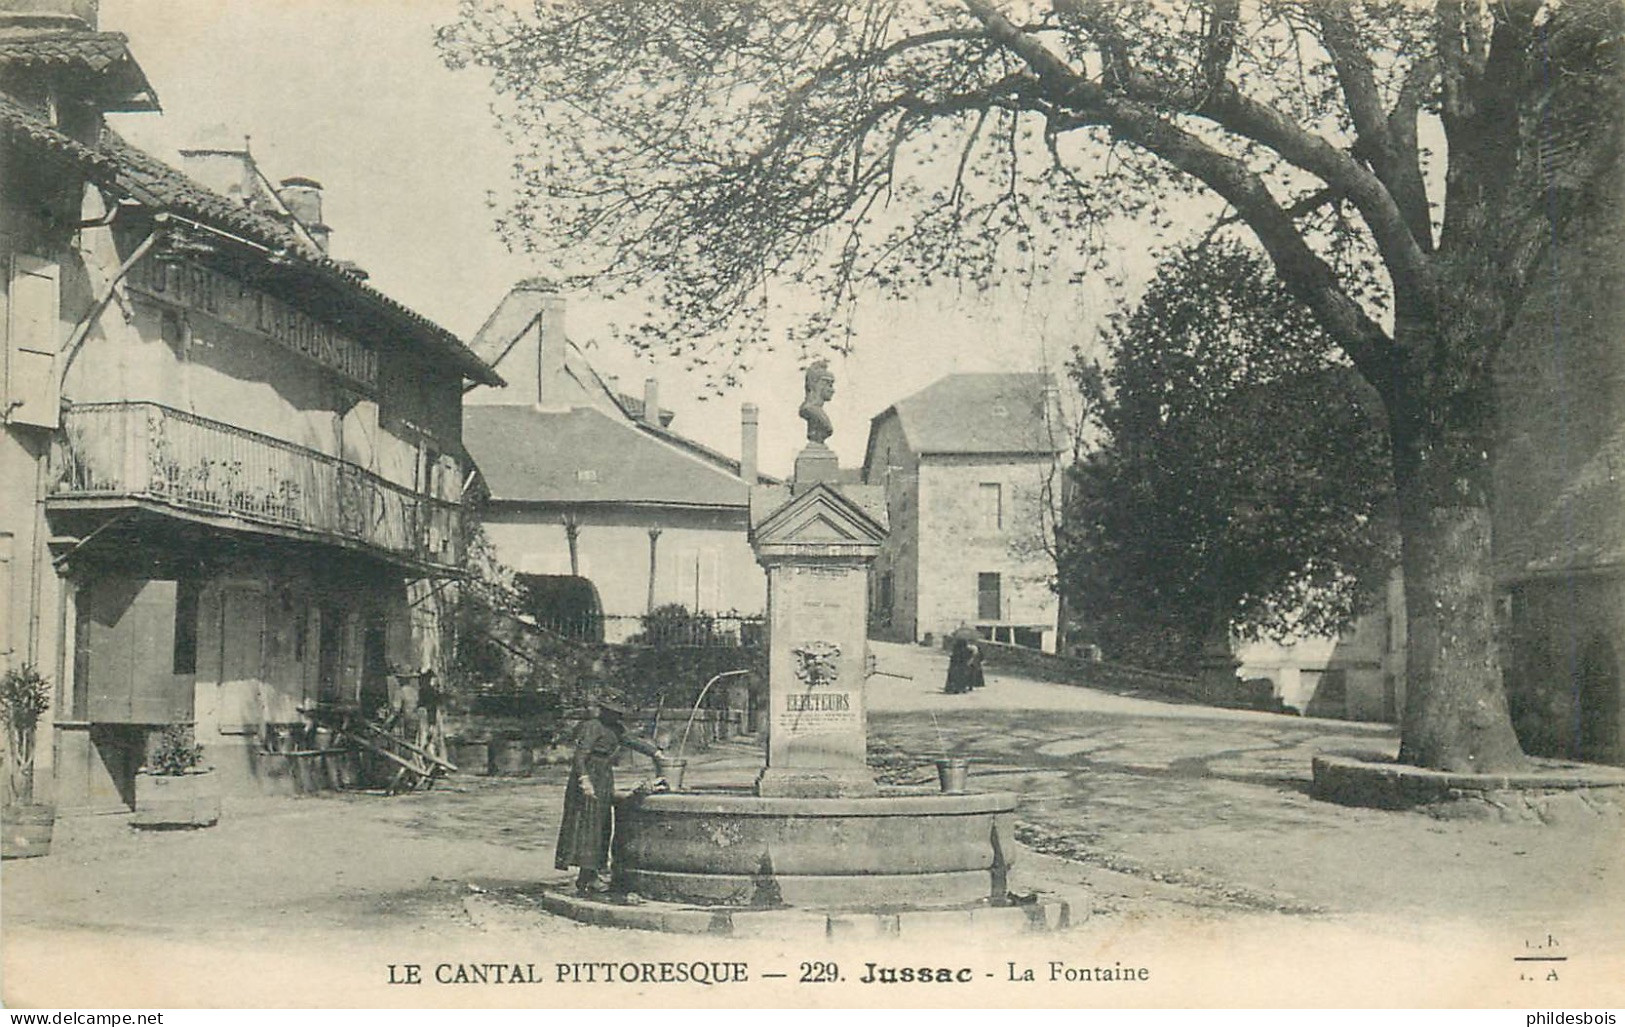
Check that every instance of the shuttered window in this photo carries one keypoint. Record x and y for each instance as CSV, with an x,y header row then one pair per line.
x,y
33,333
989,603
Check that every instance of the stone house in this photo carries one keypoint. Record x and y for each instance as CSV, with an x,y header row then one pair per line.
x,y
1358,675
1560,495
970,468
232,469
600,508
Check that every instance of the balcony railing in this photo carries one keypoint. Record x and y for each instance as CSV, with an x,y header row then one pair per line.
x,y
155,453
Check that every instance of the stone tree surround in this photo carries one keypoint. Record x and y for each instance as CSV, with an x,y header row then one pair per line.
x,y
1551,792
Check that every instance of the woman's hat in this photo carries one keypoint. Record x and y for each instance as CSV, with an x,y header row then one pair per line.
x,y
614,702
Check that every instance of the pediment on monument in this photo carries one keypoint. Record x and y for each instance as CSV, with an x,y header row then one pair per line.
x,y
821,515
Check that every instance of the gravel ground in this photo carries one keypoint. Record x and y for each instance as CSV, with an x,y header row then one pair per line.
x,y
1183,836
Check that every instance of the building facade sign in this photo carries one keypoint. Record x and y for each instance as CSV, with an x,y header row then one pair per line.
x,y
220,296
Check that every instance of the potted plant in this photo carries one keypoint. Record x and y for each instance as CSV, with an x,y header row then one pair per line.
x,y
174,789
27,826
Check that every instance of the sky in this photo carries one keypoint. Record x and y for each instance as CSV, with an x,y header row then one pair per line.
x,y
353,94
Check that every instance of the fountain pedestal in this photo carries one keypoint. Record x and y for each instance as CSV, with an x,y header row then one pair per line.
x,y
816,542
815,831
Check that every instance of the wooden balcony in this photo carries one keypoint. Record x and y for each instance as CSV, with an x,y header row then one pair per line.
x,y
149,454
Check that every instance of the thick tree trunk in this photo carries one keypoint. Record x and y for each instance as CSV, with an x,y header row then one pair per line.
x,y
1456,715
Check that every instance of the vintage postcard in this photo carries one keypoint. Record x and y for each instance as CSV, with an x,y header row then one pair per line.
x,y
775,503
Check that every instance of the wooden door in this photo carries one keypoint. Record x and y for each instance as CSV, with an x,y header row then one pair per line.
x,y
242,631
128,653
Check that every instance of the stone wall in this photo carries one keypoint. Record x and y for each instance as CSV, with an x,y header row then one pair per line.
x,y
1121,677
958,541
1560,493
893,466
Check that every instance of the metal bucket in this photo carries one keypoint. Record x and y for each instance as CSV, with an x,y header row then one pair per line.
x,y
671,768
951,774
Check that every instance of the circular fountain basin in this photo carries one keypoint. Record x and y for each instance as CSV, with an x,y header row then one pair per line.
x,y
902,849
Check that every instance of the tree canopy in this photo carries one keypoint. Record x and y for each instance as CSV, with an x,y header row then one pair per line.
x,y
1238,479
706,151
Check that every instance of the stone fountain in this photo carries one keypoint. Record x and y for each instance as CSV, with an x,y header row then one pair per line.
x,y
814,830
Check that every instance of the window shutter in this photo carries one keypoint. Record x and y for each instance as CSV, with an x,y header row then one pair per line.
x,y
33,332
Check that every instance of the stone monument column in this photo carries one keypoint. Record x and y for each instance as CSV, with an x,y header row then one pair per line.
x,y
816,538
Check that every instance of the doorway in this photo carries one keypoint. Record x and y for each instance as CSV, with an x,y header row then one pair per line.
x,y
1596,708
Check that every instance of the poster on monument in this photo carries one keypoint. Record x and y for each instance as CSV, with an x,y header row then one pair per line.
x,y
764,505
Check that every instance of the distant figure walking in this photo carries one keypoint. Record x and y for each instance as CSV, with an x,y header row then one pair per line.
x,y
589,797
959,667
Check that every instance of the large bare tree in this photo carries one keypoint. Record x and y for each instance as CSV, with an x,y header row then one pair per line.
x,y
1404,167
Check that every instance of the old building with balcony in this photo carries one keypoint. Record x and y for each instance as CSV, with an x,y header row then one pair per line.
x,y
233,470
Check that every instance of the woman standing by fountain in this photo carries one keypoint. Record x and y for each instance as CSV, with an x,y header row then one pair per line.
x,y
589,797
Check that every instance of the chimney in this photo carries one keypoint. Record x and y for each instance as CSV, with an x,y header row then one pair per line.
x,y
303,198
551,388
747,443
651,402
1051,413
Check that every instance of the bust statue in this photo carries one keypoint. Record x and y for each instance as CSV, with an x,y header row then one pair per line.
x,y
820,387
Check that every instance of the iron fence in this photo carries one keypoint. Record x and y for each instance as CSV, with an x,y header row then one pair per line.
x,y
156,453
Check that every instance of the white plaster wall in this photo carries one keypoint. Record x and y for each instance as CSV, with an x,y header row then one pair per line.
x,y
613,553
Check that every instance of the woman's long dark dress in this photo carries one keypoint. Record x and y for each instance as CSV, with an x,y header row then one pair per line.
x,y
959,679
584,835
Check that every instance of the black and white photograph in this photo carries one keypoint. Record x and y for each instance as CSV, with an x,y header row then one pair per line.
x,y
797,504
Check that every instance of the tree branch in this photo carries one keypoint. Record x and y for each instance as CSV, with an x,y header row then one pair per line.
x,y
1387,143
1227,107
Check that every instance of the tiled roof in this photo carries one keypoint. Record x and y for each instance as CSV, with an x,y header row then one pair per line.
x,y
634,408
93,51
1578,525
980,414
23,126
587,455
123,85
120,167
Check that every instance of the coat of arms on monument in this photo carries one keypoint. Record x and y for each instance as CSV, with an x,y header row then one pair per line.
x,y
817,663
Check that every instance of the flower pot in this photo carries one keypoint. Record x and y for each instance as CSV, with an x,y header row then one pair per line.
x,y
176,800
951,775
27,831
671,768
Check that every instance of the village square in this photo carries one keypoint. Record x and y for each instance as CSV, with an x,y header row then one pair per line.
x,y
872,497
